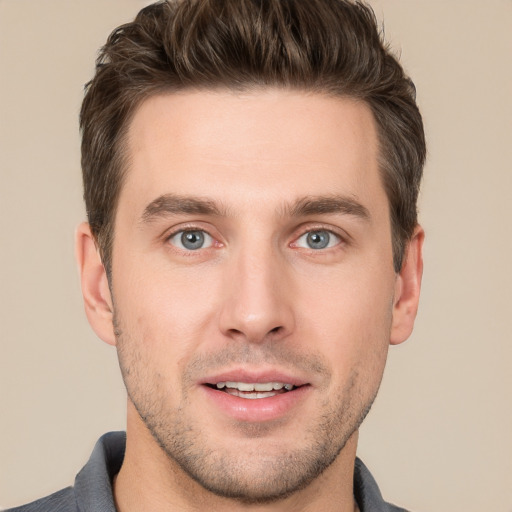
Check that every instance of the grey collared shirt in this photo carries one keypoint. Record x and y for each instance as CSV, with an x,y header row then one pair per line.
x,y
92,491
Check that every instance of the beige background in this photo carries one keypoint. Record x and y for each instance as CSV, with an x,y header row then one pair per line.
x,y
440,435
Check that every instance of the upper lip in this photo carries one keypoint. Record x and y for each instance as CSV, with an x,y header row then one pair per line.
x,y
256,377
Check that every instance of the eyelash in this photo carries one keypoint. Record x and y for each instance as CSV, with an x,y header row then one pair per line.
x,y
312,232
191,229
341,239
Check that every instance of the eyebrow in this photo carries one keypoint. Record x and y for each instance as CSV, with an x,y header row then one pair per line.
x,y
318,205
172,204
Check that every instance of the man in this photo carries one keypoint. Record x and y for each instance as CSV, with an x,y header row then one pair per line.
x,y
251,171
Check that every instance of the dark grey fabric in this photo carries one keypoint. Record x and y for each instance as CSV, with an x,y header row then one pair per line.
x,y
92,491
367,493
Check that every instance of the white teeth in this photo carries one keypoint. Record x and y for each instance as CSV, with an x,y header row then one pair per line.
x,y
247,387
268,386
241,386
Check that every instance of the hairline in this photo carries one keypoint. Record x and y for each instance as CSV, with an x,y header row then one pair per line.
x,y
122,154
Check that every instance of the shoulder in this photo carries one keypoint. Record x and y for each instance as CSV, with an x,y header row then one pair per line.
x,y
367,493
60,501
92,490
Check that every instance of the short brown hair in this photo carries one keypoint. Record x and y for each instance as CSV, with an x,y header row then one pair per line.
x,y
328,46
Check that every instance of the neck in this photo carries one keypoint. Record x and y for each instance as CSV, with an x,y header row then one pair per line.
x,y
150,480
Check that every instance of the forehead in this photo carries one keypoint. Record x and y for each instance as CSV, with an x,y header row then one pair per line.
x,y
279,144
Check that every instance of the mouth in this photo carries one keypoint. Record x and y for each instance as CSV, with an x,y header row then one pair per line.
x,y
258,396
253,390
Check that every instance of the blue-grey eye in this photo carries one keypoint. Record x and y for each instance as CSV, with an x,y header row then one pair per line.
x,y
319,239
191,240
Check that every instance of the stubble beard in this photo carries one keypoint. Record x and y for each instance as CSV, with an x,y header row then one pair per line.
x,y
264,473
256,477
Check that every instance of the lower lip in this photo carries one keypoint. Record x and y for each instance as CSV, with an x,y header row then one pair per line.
x,y
258,409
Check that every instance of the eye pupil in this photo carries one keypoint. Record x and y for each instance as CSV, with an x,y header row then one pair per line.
x,y
192,239
318,239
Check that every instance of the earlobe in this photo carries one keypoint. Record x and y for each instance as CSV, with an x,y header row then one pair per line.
x,y
95,290
407,289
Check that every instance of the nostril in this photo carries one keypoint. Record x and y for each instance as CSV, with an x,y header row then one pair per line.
x,y
275,330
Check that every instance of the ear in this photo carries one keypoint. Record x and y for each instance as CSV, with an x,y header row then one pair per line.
x,y
407,289
95,289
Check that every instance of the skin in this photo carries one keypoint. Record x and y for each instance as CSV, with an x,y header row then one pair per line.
x,y
256,297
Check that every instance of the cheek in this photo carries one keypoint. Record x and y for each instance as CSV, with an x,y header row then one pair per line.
x,y
349,315
164,310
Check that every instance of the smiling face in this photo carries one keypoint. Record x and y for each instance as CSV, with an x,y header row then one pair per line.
x,y
253,289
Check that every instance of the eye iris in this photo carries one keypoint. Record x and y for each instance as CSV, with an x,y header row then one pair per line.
x,y
318,239
192,239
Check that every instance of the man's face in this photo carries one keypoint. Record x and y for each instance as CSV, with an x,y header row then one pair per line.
x,y
252,254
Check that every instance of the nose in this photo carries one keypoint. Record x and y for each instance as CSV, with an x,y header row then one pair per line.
x,y
257,304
